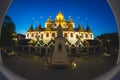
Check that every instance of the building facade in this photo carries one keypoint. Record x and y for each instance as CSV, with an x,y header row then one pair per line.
x,y
70,32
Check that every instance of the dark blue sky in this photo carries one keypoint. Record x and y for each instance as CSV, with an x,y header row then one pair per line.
x,y
98,12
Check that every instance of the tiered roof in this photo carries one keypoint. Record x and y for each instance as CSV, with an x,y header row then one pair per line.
x,y
59,19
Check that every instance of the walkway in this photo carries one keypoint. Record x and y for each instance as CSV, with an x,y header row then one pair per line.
x,y
33,69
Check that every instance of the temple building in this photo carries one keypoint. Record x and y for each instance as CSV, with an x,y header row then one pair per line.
x,y
70,32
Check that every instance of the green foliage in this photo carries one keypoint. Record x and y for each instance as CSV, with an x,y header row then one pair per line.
x,y
8,29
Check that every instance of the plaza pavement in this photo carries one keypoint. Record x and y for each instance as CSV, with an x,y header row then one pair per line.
x,y
33,68
2,77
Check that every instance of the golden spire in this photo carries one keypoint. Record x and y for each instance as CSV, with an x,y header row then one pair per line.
x,y
88,28
48,22
59,17
70,19
31,28
39,27
49,19
80,28
59,13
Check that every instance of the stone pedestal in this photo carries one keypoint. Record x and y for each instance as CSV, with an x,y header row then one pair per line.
x,y
59,59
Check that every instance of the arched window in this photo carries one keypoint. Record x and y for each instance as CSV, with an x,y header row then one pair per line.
x,y
36,34
82,35
47,34
28,35
65,35
71,34
41,36
77,36
53,34
32,35
86,35
91,35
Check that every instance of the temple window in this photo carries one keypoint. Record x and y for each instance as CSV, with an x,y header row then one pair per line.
x,y
36,34
82,35
41,36
47,34
65,35
86,35
28,35
32,35
91,35
53,34
71,34
77,36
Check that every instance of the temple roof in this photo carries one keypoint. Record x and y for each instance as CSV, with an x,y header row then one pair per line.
x,y
70,20
49,19
39,27
88,28
59,13
59,17
31,28
60,21
80,28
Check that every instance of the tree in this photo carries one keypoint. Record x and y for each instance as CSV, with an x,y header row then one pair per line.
x,y
8,32
109,39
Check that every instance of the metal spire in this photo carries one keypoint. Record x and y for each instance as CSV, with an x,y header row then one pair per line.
x,y
40,20
33,20
78,20
86,20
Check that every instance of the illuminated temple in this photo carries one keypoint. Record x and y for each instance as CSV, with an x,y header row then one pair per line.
x,y
70,32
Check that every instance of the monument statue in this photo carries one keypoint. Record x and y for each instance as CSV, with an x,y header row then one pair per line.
x,y
59,31
59,57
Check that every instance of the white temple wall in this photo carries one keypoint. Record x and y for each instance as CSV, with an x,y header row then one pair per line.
x,y
47,36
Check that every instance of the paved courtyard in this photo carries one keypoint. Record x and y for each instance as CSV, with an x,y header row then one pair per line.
x,y
32,68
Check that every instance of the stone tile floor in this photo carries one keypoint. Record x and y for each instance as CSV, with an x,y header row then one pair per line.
x,y
33,68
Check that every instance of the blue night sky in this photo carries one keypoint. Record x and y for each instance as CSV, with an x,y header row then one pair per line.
x,y
98,12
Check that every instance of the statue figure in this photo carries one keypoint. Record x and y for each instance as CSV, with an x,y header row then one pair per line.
x,y
60,31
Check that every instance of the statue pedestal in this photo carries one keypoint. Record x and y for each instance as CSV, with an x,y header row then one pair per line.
x,y
59,59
